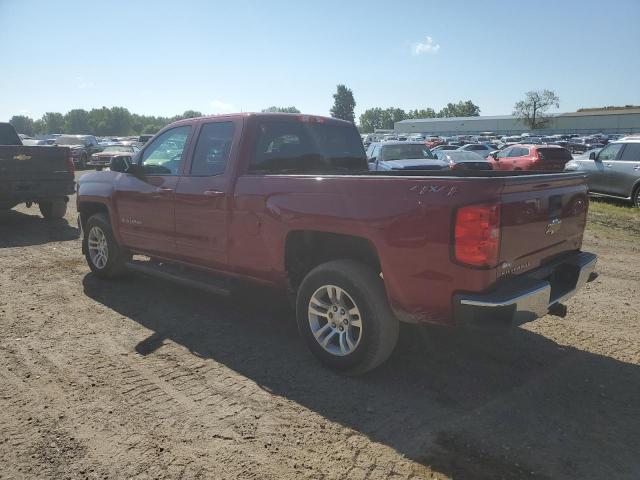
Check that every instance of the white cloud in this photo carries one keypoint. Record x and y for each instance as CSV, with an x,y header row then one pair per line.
x,y
83,83
222,107
426,47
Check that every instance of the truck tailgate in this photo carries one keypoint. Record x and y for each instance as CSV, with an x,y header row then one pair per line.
x,y
19,162
542,217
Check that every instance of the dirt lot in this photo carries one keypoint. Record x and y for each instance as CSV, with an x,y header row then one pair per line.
x,y
143,379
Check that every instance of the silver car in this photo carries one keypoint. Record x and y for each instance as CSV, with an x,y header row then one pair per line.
x,y
614,171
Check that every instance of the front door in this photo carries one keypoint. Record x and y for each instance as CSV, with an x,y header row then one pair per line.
x,y
145,203
600,179
202,196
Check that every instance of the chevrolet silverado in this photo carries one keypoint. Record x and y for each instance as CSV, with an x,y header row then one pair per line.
x,y
287,201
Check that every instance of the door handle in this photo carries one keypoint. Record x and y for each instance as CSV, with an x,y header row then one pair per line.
x,y
637,167
609,165
161,191
213,193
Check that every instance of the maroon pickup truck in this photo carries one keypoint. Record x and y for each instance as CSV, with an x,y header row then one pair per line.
x,y
287,201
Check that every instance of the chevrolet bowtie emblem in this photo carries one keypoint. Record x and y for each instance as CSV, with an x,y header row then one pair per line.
x,y
22,156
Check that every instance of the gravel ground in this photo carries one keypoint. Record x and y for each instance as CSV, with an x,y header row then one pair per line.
x,y
144,379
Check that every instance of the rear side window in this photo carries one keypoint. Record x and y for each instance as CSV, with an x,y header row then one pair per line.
x,y
305,147
554,154
212,150
631,153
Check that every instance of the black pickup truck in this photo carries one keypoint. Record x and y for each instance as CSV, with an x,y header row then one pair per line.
x,y
39,174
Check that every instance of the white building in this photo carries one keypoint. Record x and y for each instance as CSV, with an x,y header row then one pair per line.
x,y
590,121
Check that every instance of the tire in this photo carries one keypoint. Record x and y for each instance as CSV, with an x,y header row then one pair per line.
x,y
82,164
104,256
54,208
636,197
356,287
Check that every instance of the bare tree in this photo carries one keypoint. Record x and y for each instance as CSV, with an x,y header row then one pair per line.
x,y
534,107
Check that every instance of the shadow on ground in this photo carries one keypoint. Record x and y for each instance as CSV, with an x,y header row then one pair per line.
x,y
469,407
19,229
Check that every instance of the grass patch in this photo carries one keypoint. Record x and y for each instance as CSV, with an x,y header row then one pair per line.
x,y
605,214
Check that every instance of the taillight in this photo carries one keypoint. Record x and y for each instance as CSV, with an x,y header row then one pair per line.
x,y
71,168
477,235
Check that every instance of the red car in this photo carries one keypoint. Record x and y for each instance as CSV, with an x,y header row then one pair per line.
x,y
288,201
548,158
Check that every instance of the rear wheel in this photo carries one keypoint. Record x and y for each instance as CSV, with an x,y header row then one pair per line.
x,y
344,317
54,208
105,257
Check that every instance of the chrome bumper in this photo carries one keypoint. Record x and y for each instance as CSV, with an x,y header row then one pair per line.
x,y
527,297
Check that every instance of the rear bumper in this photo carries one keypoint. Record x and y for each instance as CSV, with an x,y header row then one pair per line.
x,y
19,191
527,297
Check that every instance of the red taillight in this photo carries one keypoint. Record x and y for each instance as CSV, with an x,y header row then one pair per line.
x,y
477,235
71,168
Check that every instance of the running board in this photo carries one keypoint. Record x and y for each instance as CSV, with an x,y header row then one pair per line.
x,y
185,276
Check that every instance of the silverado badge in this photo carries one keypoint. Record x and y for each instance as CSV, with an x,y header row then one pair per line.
x,y
22,156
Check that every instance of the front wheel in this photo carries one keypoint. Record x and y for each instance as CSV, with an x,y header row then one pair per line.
x,y
344,317
54,208
636,197
105,257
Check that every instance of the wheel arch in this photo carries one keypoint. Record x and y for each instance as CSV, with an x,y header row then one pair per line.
x,y
306,249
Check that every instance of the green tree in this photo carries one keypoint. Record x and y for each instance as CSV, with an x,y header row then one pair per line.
x,y
23,124
77,122
533,109
460,109
53,122
281,110
423,113
343,104
377,117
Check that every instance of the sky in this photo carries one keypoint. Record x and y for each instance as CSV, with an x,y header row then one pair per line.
x,y
164,57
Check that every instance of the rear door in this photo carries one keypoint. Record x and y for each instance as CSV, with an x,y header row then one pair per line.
x,y
145,203
624,172
203,195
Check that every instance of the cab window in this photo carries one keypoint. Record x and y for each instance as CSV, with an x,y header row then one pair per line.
x,y
212,149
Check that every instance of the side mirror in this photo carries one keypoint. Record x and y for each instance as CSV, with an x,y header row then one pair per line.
x,y
592,156
372,160
136,170
494,155
119,164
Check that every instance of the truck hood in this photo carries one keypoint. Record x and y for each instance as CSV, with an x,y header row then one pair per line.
x,y
413,164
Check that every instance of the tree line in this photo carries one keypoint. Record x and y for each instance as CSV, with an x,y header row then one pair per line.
x,y
117,121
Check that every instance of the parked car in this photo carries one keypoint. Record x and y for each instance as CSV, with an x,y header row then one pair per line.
x,y
548,158
82,147
508,141
582,144
103,158
402,156
443,147
463,160
481,149
614,170
287,201
34,174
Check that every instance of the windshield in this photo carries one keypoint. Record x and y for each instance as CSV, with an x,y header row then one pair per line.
x,y
404,152
118,148
306,147
67,140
